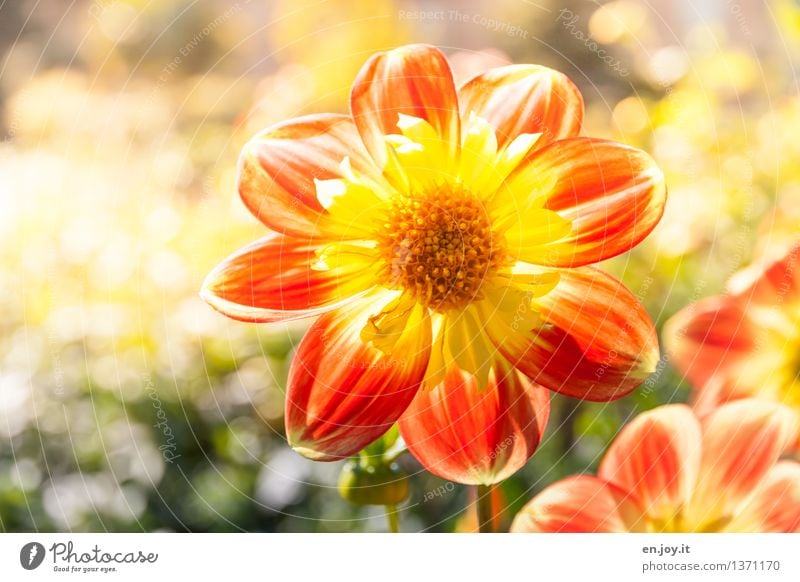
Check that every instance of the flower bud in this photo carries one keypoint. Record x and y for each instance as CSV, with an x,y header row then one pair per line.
x,y
379,484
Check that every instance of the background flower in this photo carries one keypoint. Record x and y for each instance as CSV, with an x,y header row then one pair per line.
x,y
745,343
668,472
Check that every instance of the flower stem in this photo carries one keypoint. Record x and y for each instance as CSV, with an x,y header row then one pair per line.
x,y
486,513
394,521
568,412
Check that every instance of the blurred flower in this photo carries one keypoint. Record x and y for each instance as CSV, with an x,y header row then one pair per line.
x,y
788,18
444,248
745,343
720,160
618,20
669,472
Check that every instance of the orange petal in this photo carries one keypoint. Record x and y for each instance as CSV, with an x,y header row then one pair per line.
x,y
597,342
657,458
476,434
519,99
742,441
272,279
775,506
277,170
770,283
343,393
579,504
412,80
613,194
709,338
706,398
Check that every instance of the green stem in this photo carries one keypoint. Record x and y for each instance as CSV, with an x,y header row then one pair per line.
x,y
394,521
486,517
568,411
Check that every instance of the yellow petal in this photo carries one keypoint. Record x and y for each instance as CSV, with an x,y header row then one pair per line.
x,y
534,280
345,258
386,328
512,154
418,130
530,231
466,344
357,209
478,153
482,167
420,154
361,254
511,302
520,193
437,364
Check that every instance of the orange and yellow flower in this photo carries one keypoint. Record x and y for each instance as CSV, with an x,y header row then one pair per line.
x,y
745,343
667,471
443,236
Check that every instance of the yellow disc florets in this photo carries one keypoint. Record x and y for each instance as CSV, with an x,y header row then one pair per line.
x,y
439,247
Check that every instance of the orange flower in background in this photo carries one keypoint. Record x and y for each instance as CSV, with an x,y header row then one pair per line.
x,y
669,472
745,343
443,236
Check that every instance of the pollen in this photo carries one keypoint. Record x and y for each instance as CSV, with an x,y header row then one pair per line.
x,y
439,247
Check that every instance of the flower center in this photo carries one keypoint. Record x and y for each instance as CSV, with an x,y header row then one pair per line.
x,y
677,524
791,388
439,247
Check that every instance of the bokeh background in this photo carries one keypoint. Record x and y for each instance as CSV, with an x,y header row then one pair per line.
x,y
126,404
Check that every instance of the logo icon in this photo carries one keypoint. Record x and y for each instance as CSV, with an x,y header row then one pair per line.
x,y
31,555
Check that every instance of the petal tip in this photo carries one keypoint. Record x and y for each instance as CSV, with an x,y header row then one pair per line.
x,y
650,362
308,451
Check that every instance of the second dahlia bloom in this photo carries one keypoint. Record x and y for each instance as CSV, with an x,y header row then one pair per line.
x,y
442,235
669,472
745,343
